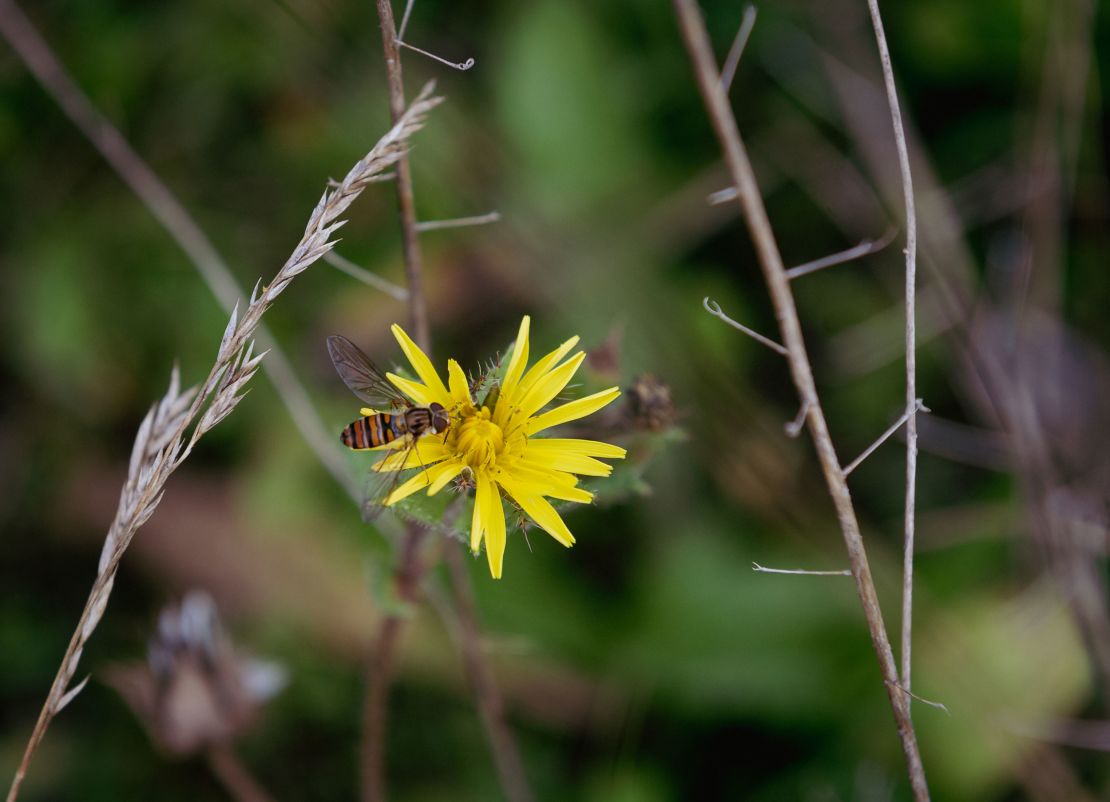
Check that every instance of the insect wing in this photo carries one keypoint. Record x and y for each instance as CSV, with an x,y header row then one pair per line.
x,y
381,483
361,375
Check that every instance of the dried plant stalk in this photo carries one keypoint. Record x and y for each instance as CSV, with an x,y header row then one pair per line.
x,y
409,570
410,241
696,40
164,440
911,340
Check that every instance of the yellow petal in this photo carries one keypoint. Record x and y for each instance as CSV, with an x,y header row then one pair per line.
x,y
552,489
517,361
570,462
407,488
460,387
429,449
430,475
421,364
537,480
575,494
525,470
537,371
572,411
477,522
549,386
420,394
449,470
493,522
573,456
587,448
540,511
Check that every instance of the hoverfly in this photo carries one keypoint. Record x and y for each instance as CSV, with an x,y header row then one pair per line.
x,y
368,382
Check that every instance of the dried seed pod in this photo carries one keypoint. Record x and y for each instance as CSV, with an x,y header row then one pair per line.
x,y
194,690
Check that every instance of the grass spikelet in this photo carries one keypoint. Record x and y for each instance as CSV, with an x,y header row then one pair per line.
x,y
164,440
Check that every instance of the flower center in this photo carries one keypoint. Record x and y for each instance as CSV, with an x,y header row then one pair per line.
x,y
480,440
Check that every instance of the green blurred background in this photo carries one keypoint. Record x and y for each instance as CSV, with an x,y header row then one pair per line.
x,y
650,662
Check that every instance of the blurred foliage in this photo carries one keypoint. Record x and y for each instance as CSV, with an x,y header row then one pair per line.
x,y
649,662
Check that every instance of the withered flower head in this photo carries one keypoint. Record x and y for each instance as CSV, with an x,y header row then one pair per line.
x,y
194,691
649,404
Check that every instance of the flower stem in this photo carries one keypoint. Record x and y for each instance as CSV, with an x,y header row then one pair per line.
x,y
510,769
235,776
409,570
379,673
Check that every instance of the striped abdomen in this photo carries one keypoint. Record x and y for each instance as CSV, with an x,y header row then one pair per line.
x,y
384,427
374,430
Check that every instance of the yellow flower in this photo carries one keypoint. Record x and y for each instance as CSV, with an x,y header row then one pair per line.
x,y
499,447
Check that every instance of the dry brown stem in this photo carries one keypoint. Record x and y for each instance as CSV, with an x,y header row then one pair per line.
x,y
164,440
697,44
911,341
235,777
510,769
375,713
732,60
410,569
410,244
379,674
